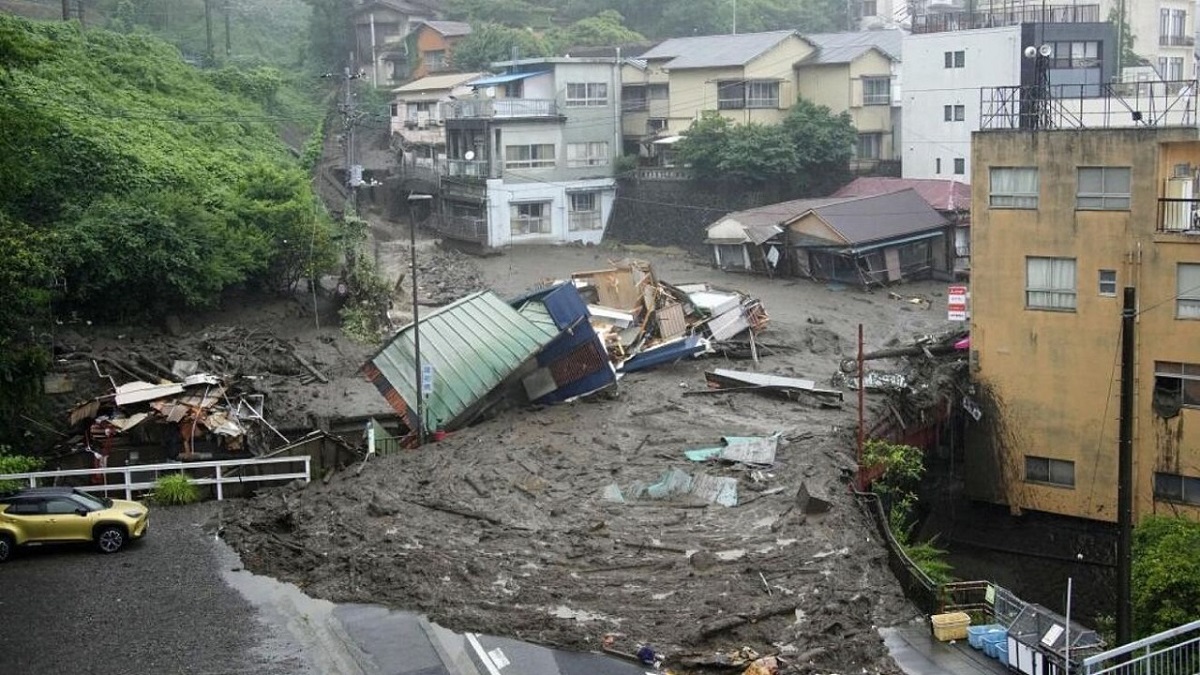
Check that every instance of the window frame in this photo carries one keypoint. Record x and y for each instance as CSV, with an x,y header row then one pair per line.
x,y
1048,478
1188,298
757,98
1104,200
1187,376
956,58
593,221
1019,200
960,166
533,160
588,159
594,94
1188,492
731,94
1053,292
877,98
1101,283
874,139
544,218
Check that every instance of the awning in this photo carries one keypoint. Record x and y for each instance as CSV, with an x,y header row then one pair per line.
x,y
504,79
669,140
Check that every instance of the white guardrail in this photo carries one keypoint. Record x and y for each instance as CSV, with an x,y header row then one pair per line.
x,y
130,485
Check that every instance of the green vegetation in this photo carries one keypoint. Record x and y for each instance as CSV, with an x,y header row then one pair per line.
x,y
1165,574
175,489
809,152
494,42
10,463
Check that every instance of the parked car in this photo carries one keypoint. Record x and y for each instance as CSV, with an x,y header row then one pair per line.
x,y
35,516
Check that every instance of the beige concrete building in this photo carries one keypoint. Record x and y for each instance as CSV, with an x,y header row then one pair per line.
x,y
1062,221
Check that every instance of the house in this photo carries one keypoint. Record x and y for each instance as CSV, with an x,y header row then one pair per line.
x,y
859,73
417,120
1065,221
1073,53
876,14
530,154
951,198
435,42
866,241
380,30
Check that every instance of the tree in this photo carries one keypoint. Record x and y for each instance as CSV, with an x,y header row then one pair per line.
x,y
27,276
494,42
1125,39
603,29
1165,574
512,13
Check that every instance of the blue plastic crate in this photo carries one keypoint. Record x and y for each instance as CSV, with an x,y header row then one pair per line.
x,y
994,641
1001,651
975,633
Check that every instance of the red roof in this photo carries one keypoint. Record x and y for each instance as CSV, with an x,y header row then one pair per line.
x,y
942,195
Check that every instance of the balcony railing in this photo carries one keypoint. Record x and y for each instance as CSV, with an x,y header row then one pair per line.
x,y
1179,215
463,228
1072,106
944,22
500,107
467,168
1176,40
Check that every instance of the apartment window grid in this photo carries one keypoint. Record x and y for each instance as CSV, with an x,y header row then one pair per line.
x,y
877,90
1075,55
954,113
1108,283
584,213
1187,291
586,94
1057,472
1013,187
870,146
1050,283
1177,384
537,156
739,94
529,218
1173,487
762,94
1102,188
633,99
960,166
1170,68
587,154
956,59
1172,27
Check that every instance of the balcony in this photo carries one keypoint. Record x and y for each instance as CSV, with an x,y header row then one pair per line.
x,y
491,108
1176,40
467,168
462,228
945,22
1179,216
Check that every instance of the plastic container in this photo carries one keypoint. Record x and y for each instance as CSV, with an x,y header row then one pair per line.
x,y
994,641
1002,651
952,626
975,633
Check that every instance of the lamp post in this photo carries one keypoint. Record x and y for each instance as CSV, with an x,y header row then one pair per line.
x,y
418,381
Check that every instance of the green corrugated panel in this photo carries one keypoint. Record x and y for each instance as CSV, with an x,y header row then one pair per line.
x,y
537,313
473,345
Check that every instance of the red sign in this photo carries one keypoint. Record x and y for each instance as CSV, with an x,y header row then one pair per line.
x,y
956,303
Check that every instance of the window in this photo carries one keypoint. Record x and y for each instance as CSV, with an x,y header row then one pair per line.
x,y
1108,283
877,90
1176,384
956,59
529,156
582,94
25,507
937,166
435,60
1170,68
954,113
657,92
587,154
531,218
1172,27
61,505
737,94
585,211
1171,487
1187,291
869,146
1050,471
633,99
1050,283
868,8
1104,188
960,166
1013,188
1075,55
762,94
656,124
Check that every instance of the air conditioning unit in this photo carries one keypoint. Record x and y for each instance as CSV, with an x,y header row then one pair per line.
x,y
1177,215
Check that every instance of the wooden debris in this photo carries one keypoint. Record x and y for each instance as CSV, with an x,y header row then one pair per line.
x,y
310,368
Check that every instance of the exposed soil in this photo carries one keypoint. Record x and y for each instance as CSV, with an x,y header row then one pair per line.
x,y
505,528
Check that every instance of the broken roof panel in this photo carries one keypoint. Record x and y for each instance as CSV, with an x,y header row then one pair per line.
x,y
473,344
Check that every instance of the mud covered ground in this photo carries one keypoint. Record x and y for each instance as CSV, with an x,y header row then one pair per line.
x,y
504,528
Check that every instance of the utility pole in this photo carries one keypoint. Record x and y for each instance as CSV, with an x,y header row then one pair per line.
x,y
1125,473
66,6
349,121
228,39
208,39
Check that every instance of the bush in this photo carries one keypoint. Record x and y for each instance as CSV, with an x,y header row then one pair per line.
x,y
10,463
175,489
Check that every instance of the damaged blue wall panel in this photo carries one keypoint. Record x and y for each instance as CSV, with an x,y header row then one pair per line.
x,y
576,359
473,344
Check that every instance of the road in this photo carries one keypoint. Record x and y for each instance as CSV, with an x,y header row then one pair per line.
x,y
179,602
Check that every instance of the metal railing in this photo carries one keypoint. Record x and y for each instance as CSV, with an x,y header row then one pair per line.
x,y
500,107
1171,652
943,22
916,584
578,221
463,228
129,485
1073,106
467,168
1179,215
1176,40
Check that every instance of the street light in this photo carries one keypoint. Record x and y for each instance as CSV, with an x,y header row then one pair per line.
x,y
419,380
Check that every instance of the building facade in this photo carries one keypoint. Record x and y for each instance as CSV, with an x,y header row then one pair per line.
x,y
1063,220
434,42
530,154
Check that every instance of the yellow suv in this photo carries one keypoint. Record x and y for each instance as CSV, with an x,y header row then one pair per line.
x,y
35,516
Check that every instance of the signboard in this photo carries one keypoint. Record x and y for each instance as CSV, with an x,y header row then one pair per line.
x,y
426,379
956,303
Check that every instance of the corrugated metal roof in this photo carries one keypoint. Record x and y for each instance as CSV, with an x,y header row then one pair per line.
x,y
781,213
437,82
943,195
865,219
714,51
450,28
473,344
845,47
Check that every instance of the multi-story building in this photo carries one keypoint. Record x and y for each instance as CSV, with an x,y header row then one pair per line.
x,y
380,29
876,14
1063,220
529,155
943,109
755,78
434,45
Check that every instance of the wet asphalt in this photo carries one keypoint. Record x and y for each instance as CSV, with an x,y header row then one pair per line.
x,y
158,607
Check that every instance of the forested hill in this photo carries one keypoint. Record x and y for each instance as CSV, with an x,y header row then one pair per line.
x,y
133,183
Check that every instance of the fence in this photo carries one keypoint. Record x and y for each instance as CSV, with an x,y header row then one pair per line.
x,y
129,485
1172,652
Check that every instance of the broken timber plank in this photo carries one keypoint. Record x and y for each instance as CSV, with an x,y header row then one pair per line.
x,y
310,368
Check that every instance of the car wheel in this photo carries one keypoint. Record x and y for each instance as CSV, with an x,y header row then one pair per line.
x,y
6,547
110,539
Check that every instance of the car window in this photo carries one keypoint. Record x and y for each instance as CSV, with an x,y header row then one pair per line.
x,y
92,502
24,507
58,505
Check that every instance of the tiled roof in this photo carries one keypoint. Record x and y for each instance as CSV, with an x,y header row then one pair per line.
x,y
450,28
715,51
943,195
845,47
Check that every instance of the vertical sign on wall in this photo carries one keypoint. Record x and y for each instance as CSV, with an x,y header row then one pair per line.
x,y
956,303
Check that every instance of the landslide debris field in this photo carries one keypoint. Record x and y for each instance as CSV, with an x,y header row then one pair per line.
x,y
513,527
